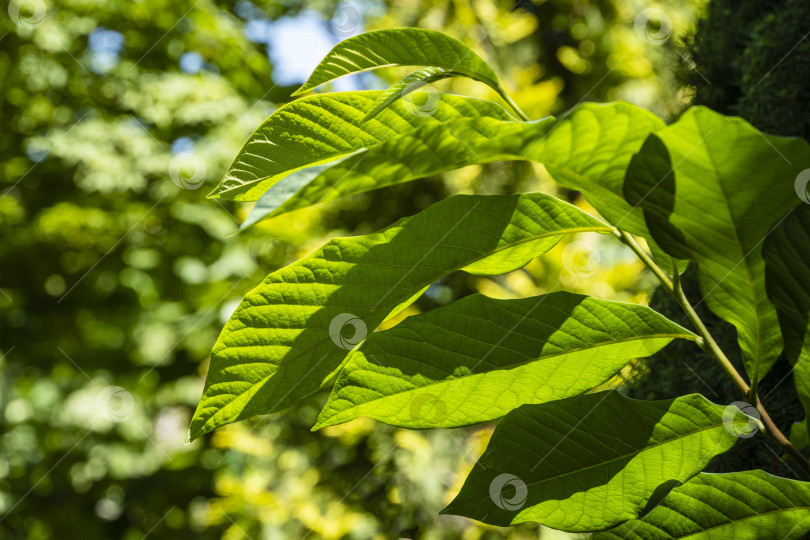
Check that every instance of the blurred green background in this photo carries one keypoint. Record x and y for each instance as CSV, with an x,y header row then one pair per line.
x,y
116,273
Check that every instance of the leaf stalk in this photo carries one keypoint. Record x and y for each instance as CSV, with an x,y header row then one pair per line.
x,y
710,346
523,116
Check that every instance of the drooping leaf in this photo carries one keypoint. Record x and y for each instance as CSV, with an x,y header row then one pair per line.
x,y
284,340
740,505
587,150
399,47
478,358
319,128
592,461
407,85
787,275
711,188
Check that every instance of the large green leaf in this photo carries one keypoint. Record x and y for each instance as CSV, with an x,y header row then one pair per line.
x,y
587,150
320,128
284,340
415,154
399,47
478,358
592,461
712,187
787,274
740,505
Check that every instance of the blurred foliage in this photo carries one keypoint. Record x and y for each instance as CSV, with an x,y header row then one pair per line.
x,y
745,59
115,280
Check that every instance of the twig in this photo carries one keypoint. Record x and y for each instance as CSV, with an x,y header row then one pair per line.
x,y
710,346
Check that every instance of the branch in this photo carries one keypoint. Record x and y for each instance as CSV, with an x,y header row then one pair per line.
x,y
710,346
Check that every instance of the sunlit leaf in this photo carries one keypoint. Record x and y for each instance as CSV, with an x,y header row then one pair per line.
x,y
286,337
478,358
319,128
590,462
749,504
438,148
587,150
712,187
399,47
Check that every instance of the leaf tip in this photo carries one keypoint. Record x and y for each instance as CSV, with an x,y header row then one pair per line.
x,y
321,423
447,510
197,427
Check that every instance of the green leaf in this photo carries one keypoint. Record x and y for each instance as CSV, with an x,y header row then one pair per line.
x,y
434,148
712,187
478,358
284,341
399,47
799,435
592,461
787,276
286,188
320,128
407,85
587,150
740,505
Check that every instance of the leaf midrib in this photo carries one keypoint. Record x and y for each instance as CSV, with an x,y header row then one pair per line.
x,y
751,284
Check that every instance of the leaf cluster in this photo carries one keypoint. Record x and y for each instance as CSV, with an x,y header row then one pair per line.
x,y
708,190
